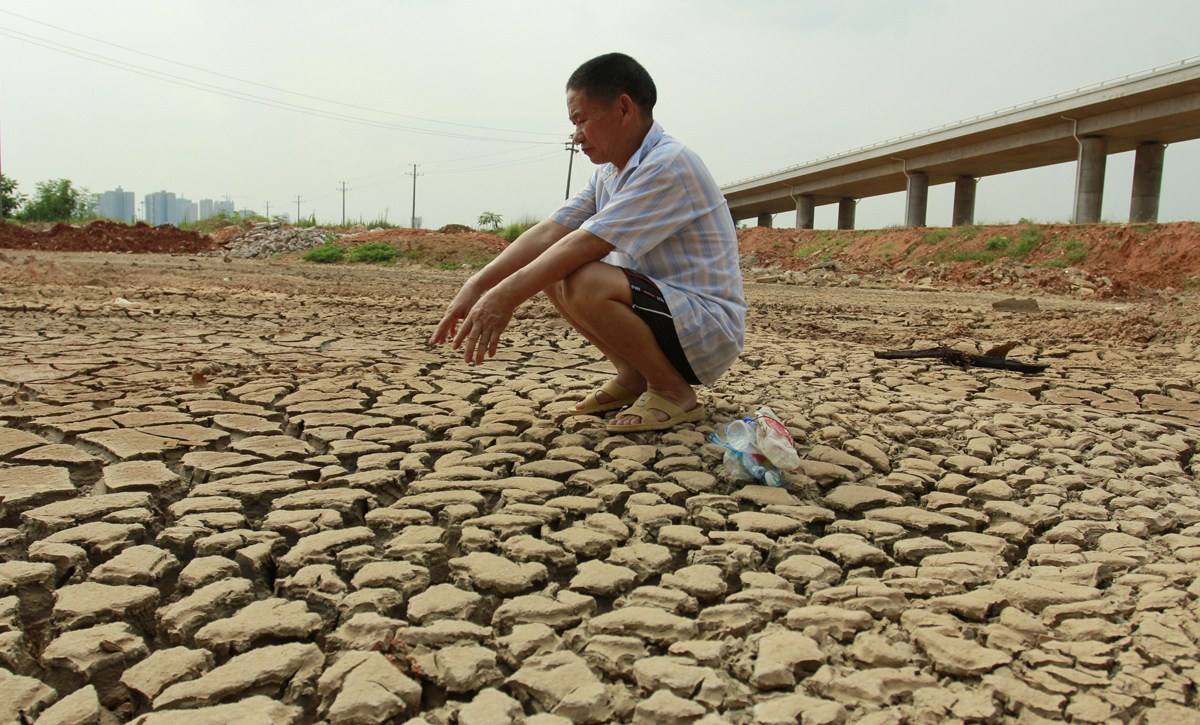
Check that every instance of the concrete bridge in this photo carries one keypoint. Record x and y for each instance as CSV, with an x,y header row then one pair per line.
x,y
1142,112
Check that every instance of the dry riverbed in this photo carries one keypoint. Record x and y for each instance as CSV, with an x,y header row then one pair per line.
x,y
249,491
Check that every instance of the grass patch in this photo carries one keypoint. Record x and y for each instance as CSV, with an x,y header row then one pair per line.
x,y
1074,251
1028,240
375,253
510,232
1054,264
325,254
998,243
967,231
935,236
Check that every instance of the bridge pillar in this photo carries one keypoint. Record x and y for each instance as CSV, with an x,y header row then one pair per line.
x,y
964,201
1147,182
764,220
918,197
846,213
1089,179
805,211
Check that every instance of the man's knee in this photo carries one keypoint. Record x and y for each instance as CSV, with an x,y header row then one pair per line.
x,y
591,283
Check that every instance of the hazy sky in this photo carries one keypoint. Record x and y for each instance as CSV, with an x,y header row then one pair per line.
x,y
752,86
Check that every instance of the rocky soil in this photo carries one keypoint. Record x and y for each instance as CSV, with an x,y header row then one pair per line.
x,y
250,492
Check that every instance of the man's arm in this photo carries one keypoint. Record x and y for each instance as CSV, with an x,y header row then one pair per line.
x,y
527,247
488,318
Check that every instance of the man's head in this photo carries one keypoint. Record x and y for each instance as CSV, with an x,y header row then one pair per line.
x,y
610,100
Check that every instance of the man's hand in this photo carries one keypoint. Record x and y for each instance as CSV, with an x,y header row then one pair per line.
x,y
459,307
481,329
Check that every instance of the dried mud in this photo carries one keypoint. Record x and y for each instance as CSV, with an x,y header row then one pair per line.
x,y
248,491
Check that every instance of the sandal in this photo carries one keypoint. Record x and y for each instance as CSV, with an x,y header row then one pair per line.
x,y
644,408
621,397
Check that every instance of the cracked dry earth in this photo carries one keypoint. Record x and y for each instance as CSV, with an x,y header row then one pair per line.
x,y
238,494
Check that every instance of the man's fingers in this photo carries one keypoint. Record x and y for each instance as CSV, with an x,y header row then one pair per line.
x,y
469,351
495,343
463,331
485,341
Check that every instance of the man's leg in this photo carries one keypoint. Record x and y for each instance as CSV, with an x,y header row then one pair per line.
x,y
627,376
598,296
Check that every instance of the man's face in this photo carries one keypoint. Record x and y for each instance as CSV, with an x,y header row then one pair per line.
x,y
599,125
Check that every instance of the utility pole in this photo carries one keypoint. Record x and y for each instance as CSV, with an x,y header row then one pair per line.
x,y
570,147
414,174
297,208
343,190
268,211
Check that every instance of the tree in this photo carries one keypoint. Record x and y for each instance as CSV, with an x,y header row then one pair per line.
x,y
490,221
56,200
10,199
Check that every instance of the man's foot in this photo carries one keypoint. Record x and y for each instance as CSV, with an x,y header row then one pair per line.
x,y
616,393
655,412
683,399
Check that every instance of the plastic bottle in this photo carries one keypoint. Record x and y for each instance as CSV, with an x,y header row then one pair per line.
x,y
740,434
773,440
747,464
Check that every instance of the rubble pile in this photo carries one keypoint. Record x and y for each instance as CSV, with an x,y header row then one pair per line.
x,y
267,238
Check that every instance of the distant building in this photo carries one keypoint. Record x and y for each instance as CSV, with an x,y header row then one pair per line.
x,y
117,204
225,207
185,211
245,213
206,209
160,208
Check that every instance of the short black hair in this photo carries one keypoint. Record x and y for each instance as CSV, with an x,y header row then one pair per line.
x,y
607,76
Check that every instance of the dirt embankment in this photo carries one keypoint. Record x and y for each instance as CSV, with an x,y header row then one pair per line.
x,y
1128,256
1110,260
106,236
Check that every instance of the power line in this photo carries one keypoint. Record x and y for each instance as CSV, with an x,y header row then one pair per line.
x,y
414,176
242,95
265,85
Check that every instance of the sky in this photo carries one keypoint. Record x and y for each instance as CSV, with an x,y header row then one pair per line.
x,y
265,101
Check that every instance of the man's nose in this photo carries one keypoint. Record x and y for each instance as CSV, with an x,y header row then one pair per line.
x,y
577,137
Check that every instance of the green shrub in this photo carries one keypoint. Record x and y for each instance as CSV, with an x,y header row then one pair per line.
x,y
374,253
510,232
325,254
1074,251
935,236
1028,240
998,243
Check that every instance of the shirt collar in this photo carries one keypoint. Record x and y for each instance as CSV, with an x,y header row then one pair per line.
x,y
653,136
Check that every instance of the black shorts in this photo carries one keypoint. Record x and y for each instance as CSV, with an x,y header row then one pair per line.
x,y
649,305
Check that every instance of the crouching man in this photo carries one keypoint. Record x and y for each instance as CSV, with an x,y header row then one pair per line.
x,y
643,262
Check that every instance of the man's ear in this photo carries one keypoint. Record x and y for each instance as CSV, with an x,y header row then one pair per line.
x,y
628,108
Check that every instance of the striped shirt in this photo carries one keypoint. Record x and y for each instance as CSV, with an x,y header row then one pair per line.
x,y
665,217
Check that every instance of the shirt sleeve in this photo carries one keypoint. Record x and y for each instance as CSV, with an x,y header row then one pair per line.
x,y
653,204
578,208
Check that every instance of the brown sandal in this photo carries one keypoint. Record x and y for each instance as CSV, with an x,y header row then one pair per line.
x,y
644,408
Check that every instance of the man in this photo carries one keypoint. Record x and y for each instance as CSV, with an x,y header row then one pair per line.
x,y
643,262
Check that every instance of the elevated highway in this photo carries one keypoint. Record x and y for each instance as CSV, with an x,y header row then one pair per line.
x,y
1142,112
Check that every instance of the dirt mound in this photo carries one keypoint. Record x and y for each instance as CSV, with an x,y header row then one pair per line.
x,y
433,247
455,229
1054,256
106,236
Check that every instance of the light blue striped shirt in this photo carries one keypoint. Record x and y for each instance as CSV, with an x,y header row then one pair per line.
x,y
665,216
